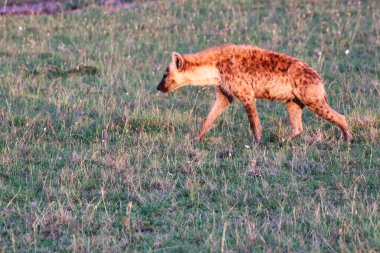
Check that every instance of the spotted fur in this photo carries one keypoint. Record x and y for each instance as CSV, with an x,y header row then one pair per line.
x,y
247,73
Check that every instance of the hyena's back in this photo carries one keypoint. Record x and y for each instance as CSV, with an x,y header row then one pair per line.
x,y
272,75
277,76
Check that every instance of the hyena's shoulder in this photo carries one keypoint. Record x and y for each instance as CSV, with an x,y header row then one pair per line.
x,y
229,53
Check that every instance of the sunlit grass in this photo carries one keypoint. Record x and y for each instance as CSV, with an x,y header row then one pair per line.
x,y
93,158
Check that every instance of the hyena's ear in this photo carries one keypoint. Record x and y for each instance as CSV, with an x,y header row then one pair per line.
x,y
178,61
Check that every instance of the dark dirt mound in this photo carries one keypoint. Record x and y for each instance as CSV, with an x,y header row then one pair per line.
x,y
31,7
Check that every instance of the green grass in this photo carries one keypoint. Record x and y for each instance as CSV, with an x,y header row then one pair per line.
x,y
93,158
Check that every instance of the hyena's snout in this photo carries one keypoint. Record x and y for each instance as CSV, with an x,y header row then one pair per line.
x,y
159,86
162,86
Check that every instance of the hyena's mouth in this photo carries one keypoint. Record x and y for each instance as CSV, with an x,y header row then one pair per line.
x,y
162,89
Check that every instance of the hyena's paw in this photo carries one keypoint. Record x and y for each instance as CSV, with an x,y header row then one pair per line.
x,y
294,136
347,137
256,141
196,139
296,132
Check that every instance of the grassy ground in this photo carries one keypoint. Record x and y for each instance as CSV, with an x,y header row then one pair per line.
x,y
92,158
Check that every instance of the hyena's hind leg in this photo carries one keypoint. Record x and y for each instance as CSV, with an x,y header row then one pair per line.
x,y
220,105
294,110
322,108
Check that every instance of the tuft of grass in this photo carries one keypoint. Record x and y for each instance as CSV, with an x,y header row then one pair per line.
x,y
93,158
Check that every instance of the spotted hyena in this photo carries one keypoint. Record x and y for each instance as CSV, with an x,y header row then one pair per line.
x,y
247,73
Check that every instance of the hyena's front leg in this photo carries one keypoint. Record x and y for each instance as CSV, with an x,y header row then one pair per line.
x,y
221,103
253,116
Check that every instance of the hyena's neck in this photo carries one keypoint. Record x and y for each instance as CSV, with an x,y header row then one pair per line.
x,y
202,67
205,75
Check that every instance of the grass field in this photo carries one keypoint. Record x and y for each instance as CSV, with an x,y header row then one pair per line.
x,y
93,158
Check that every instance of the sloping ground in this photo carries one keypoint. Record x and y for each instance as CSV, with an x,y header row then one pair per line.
x,y
29,7
21,2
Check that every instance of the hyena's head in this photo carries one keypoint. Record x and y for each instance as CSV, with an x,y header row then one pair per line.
x,y
175,75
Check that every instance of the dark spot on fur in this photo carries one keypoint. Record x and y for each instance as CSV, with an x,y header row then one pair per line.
x,y
284,66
